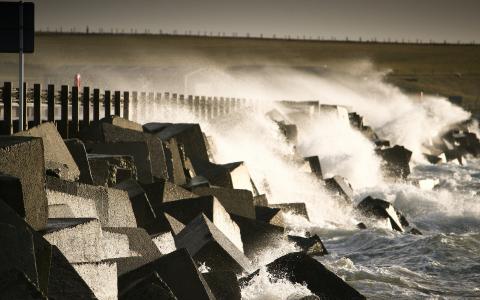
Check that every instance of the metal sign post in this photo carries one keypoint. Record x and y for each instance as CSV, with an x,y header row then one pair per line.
x,y
21,73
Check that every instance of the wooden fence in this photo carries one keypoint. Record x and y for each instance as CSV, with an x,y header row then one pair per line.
x,y
72,109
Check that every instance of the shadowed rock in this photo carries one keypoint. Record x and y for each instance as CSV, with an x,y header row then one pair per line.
x,y
396,160
296,208
381,209
151,287
338,185
235,201
224,285
312,245
79,154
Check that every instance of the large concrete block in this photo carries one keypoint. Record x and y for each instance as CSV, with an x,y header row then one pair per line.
x,y
239,202
79,154
22,157
234,175
296,208
165,191
80,240
257,235
16,285
300,268
209,245
224,285
340,186
315,166
270,215
79,207
188,209
174,162
177,270
382,210
108,169
59,211
116,245
11,193
56,154
396,160
113,206
138,150
151,287
101,277
164,242
311,245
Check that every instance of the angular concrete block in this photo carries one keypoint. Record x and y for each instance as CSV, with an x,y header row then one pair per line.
x,y
80,240
109,169
174,162
79,207
165,242
175,224
312,245
224,285
101,277
177,270
209,245
300,268
11,193
270,215
138,150
397,161
150,287
79,154
296,208
188,209
16,285
164,191
381,209
340,186
239,202
116,245
56,154
260,200
256,235
22,157
113,206
56,211
315,166
234,175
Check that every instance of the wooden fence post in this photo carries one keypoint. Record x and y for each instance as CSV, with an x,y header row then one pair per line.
x,y
96,105
126,105
117,103
7,108
37,104
215,107
134,106
196,106
190,103
106,104
227,106
202,108
208,108
141,107
51,103
86,107
221,107
149,112
25,110
75,122
64,112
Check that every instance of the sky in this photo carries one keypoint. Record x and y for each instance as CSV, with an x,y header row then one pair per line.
x,y
438,20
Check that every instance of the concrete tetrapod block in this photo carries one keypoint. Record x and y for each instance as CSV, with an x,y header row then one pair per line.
x,y
297,208
209,245
381,209
239,202
79,207
340,186
79,154
22,157
16,285
177,270
148,288
138,150
101,277
11,192
188,209
113,206
164,191
257,235
270,215
110,169
56,154
224,285
300,268
80,240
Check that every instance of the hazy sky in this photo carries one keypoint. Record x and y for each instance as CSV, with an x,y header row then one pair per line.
x,y
439,20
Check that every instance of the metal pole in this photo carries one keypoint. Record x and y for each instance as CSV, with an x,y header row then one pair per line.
x,y
21,70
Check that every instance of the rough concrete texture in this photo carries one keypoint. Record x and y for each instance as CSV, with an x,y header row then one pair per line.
x,y
177,270
113,206
233,175
16,285
165,242
340,186
23,158
175,224
224,285
116,245
56,154
188,209
164,191
209,245
138,150
239,202
174,162
296,208
79,154
148,288
257,235
11,192
109,169
260,200
270,215
123,123
56,211
101,277
80,243
80,207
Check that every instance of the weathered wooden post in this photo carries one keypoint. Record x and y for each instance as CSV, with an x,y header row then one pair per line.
x,y
190,104
227,106
126,105
25,116
116,104
86,106
208,108
157,104
96,105
7,108
149,106
75,122
51,103
107,104
202,108
134,106
215,107
37,104
64,112
196,106
141,107
221,107
181,102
